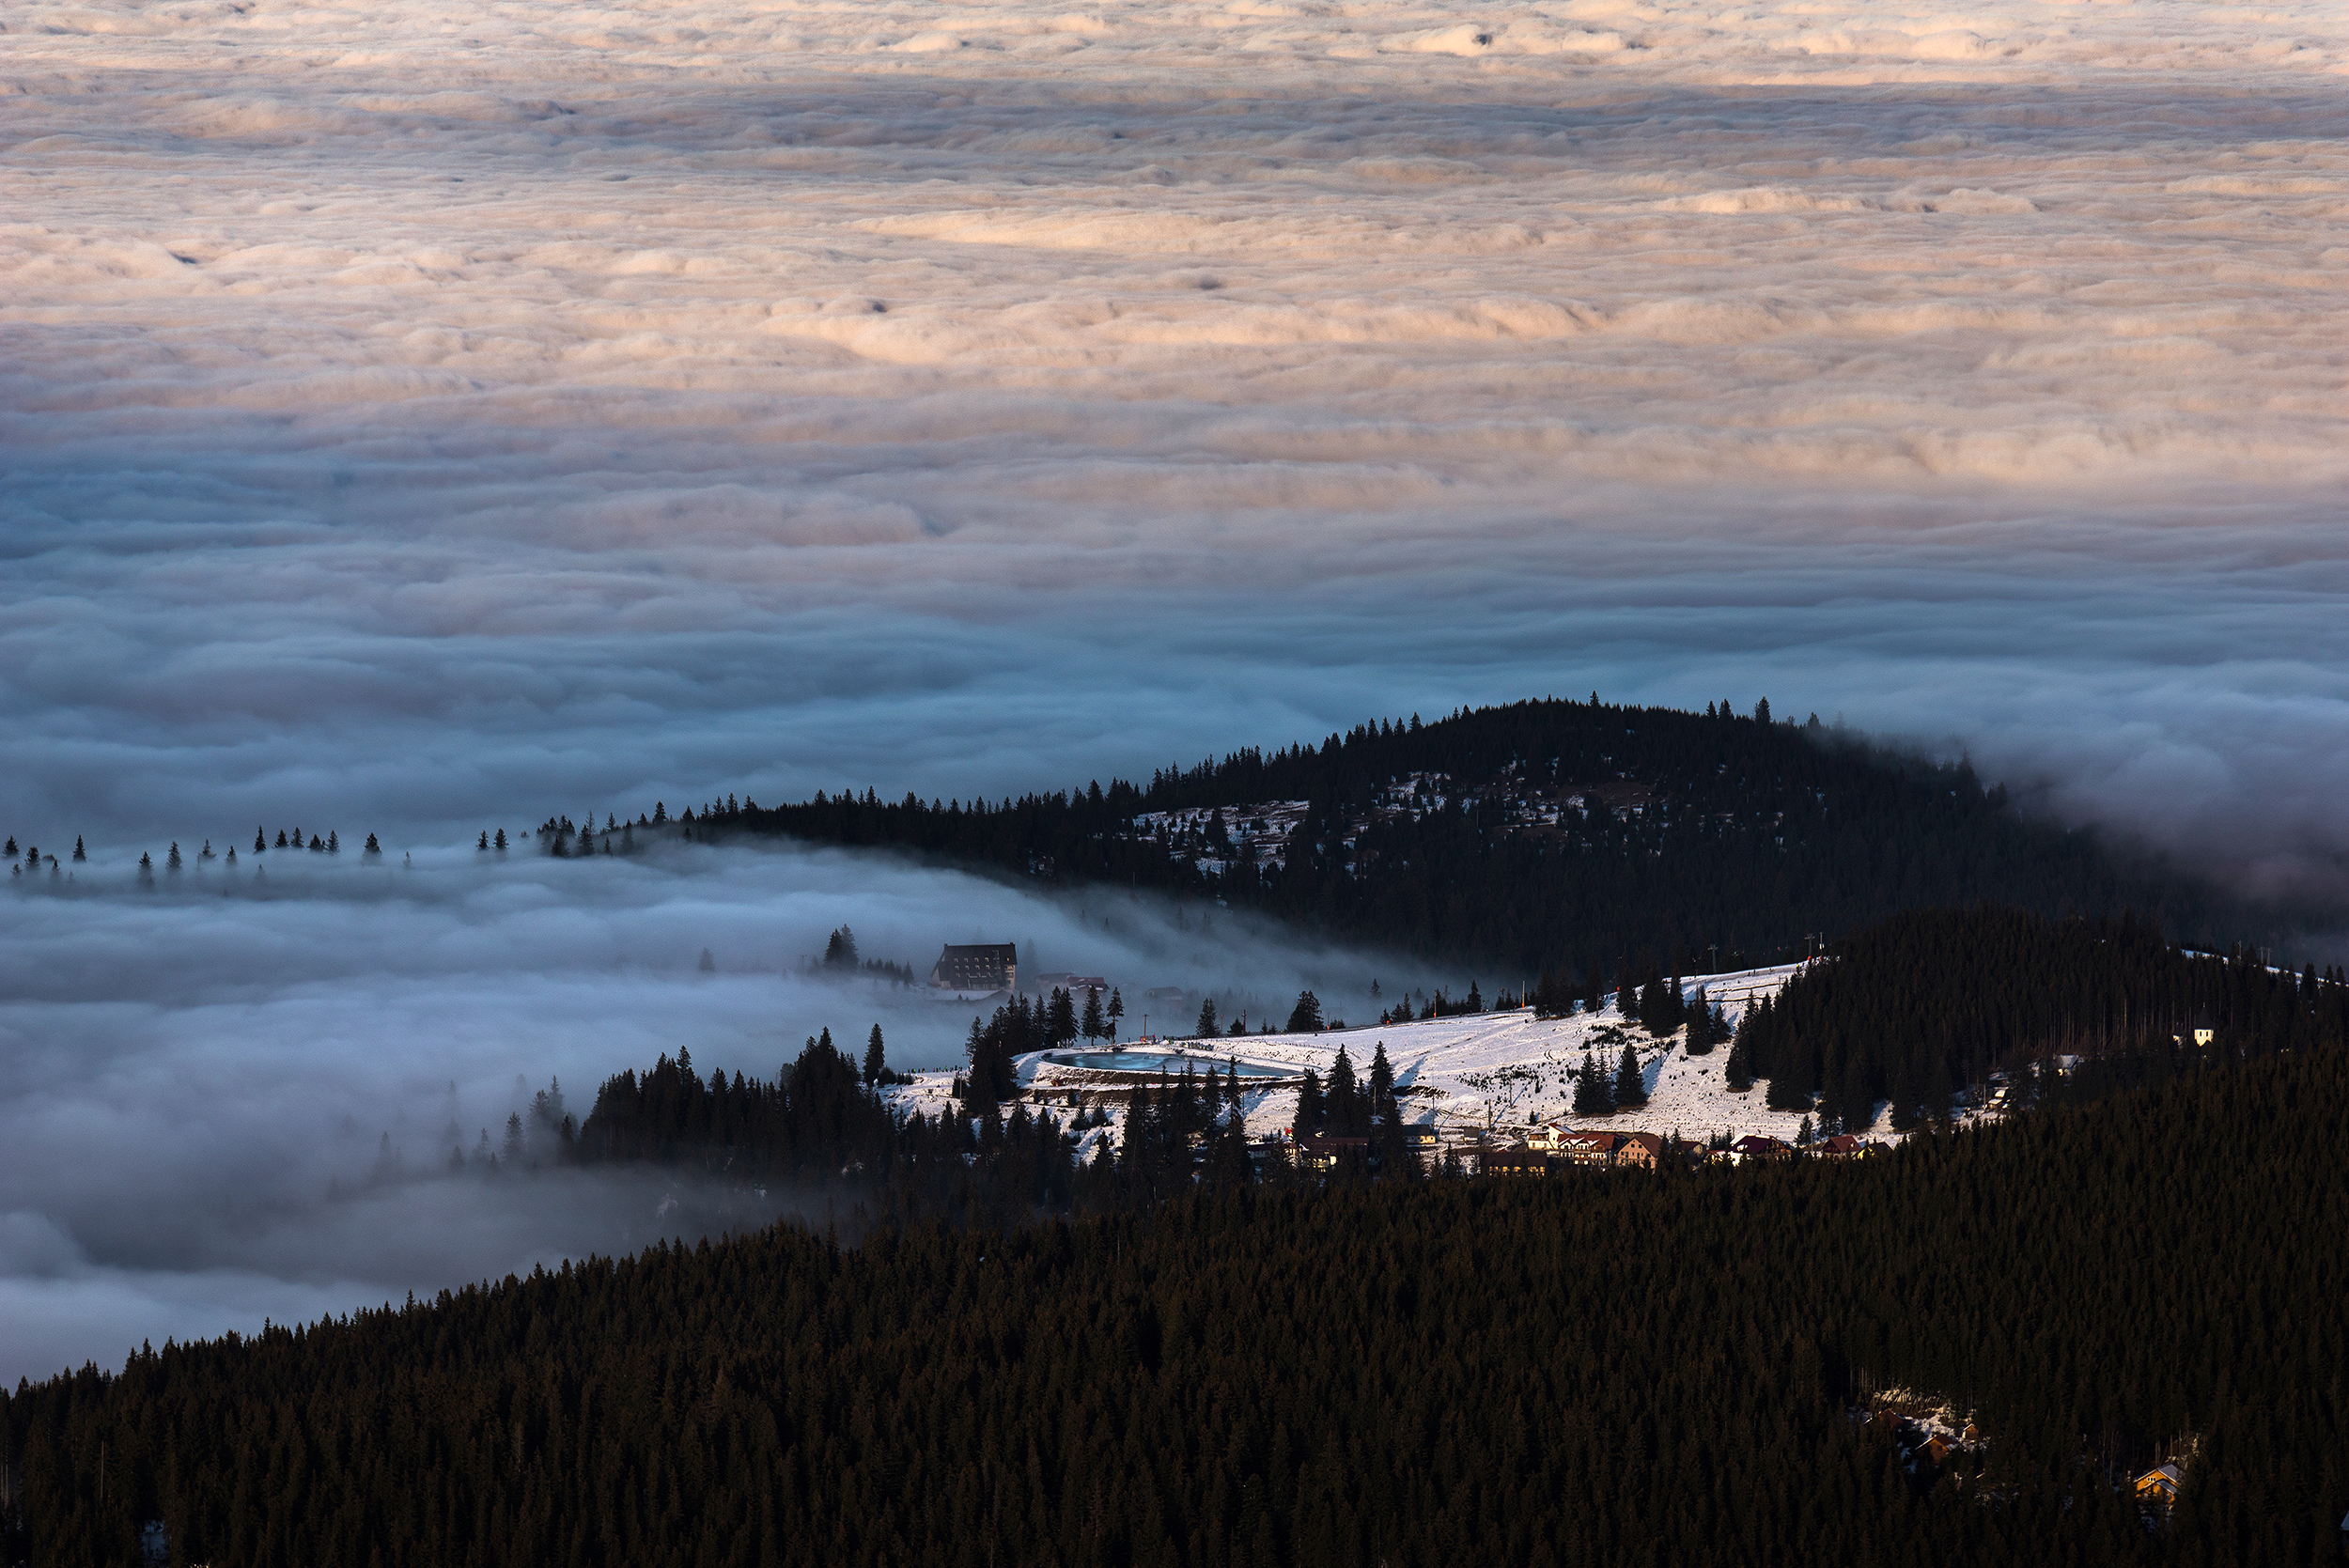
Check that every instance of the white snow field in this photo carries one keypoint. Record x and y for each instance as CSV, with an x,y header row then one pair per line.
x,y
1434,1058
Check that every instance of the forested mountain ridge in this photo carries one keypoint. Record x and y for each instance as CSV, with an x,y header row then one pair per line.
x,y
1930,1000
1541,835
1595,1367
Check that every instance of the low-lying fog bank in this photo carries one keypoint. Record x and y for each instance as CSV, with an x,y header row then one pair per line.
x,y
226,1099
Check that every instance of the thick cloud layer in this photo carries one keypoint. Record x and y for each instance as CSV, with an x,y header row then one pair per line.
x,y
415,414
192,1070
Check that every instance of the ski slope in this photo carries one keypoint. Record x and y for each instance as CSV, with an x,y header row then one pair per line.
x,y
1438,1065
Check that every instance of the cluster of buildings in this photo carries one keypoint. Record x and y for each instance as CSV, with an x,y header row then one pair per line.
x,y
1553,1149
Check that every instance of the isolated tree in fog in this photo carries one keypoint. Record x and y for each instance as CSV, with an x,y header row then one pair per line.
x,y
1305,1017
484,844
500,842
1207,1027
708,964
840,952
874,1064
1113,1014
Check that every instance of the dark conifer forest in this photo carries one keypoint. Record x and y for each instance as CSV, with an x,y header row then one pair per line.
x,y
1663,1368
1931,1000
1541,835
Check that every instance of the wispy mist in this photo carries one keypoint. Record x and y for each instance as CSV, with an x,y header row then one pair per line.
x,y
201,1079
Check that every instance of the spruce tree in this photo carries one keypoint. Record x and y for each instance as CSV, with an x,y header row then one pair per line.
x,y
1347,1117
1305,1017
1701,1040
875,1065
1594,1093
1630,1087
1092,1025
1311,1106
1113,1015
1206,1029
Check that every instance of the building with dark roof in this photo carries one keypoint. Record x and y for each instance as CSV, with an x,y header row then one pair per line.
x,y
977,967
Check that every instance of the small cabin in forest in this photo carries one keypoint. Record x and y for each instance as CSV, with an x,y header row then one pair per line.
x,y
2158,1485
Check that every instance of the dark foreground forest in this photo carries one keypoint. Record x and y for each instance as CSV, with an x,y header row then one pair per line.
x,y
1618,1367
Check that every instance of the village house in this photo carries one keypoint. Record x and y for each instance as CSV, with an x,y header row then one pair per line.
x,y
1589,1148
1759,1146
1641,1150
1318,1152
1650,1151
1518,1160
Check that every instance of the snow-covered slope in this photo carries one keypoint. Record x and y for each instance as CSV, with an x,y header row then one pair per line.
x,y
1444,1068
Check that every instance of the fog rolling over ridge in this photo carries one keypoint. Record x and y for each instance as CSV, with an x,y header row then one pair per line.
x,y
191,1076
409,409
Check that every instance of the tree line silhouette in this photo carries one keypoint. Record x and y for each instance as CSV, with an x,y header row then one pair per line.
x,y
1592,1367
1716,836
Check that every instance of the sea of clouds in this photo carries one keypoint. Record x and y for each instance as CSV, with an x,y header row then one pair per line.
x,y
417,417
